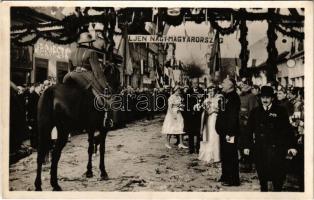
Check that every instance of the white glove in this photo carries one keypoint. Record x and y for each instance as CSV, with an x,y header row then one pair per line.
x,y
292,152
230,139
246,152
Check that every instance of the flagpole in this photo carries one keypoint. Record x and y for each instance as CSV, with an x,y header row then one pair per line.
x,y
125,35
219,55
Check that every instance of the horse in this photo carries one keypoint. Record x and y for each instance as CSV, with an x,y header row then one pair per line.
x,y
69,108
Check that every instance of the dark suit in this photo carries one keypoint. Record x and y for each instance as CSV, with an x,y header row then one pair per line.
x,y
227,123
273,137
192,119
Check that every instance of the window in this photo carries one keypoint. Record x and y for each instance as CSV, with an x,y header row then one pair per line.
x,y
41,72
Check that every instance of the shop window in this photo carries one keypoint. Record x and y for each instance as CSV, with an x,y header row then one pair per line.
x,y
41,72
62,70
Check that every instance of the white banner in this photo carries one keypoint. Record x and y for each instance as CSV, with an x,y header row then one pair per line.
x,y
170,39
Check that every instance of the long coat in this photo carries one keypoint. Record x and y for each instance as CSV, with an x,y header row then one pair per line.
x,y
272,138
227,122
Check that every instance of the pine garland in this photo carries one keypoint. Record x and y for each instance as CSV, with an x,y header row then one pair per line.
x,y
244,54
292,33
224,31
271,63
73,24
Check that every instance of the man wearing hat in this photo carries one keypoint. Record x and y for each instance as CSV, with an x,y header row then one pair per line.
x,y
273,140
84,61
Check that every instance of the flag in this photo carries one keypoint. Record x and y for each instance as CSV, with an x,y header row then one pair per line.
x,y
214,61
121,48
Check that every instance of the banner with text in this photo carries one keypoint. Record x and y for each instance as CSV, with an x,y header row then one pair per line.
x,y
170,39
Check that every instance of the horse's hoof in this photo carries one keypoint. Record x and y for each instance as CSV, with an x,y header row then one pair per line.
x,y
57,188
104,177
38,189
89,174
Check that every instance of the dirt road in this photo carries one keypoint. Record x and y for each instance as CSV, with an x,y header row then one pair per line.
x,y
136,160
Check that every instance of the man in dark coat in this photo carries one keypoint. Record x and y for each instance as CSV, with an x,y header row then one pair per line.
x,y
192,115
273,138
227,126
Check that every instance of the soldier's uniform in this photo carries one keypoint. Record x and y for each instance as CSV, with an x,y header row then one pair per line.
x,y
87,70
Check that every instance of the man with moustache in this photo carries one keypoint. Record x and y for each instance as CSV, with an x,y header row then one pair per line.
x,y
273,139
227,126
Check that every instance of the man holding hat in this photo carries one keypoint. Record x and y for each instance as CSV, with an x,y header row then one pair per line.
x,y
273,140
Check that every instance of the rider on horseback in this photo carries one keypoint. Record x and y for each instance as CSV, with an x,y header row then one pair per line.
x,y
86,69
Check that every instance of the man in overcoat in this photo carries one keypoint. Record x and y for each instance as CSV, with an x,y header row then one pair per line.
x,y
227,127
273,140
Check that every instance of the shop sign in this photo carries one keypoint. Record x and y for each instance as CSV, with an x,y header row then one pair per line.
x,y
50,50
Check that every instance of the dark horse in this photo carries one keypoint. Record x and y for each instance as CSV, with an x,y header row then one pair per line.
x,y
69,109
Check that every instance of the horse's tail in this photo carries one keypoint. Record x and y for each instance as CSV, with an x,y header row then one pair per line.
x,y
45,121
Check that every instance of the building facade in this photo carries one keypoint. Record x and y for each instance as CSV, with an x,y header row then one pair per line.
x,y
290,61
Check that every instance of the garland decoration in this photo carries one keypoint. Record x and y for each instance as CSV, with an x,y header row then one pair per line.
x,y
174,16
223,31
292,33
271,63
244,54
72,24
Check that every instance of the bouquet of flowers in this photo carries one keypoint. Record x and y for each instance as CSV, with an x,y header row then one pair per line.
x,y
181,106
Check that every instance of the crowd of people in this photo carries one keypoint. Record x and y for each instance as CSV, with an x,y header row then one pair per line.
x,y
23,113
244,127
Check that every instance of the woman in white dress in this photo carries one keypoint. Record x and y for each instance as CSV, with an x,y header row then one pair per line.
x,y
173,123
210,146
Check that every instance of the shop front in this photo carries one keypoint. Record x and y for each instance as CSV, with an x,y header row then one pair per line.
x,y
51,60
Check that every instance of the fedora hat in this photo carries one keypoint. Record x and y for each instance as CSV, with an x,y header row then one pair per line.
x,y
267,91
85,37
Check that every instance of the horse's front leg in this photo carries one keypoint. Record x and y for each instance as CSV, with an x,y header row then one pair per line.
x,y
89,172
103,173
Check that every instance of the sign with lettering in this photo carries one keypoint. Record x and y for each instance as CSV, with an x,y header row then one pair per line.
x,y
49,50
170,39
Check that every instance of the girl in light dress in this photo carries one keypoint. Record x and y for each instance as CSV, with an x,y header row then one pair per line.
x,y
210,146
173,123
